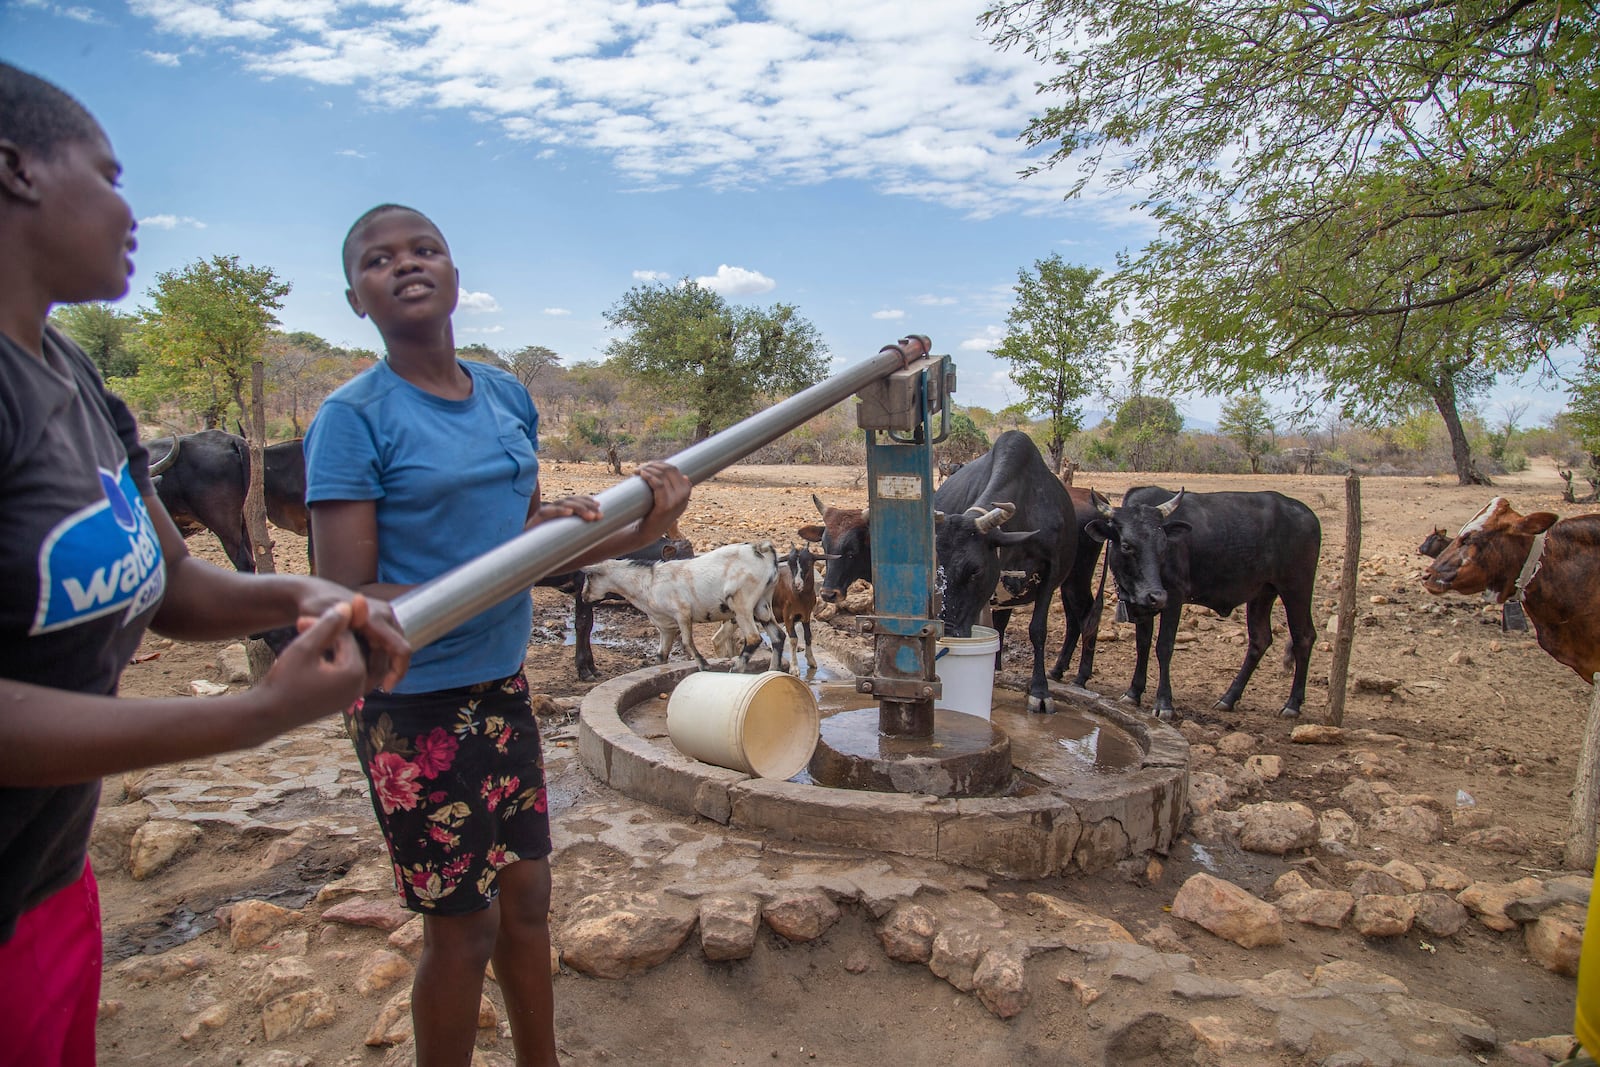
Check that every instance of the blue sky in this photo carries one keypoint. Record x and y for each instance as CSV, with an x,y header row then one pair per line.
x,y
857,159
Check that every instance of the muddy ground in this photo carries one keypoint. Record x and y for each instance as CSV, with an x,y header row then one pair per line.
x,y
1479,712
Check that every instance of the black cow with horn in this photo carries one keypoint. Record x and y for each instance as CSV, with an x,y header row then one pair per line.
x,y
1218,550
1005,511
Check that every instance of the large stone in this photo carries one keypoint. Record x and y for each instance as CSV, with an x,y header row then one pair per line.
x,y
1413,822
277,979
151,970
251,922
1228,911
234,663
907,933
1498,839
801,916
382,913
1554,938
369,879
1377,915
381,969
1079,924
615,934
1438,914
1489,900
157,843
1277,827
1336,827
112,840
999,981
957,951
1327,908
1377,883
1208,792
728,926
306,1009
408,939
393,1023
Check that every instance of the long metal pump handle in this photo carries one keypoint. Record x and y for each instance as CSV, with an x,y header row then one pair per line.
x,y
432,610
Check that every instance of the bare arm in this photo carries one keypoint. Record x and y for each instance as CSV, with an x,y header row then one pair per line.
x,y
56,737
208,603
670,492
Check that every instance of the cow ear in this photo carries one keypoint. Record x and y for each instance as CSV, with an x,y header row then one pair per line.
x,y
810,533
1010,537
1176,530
1537,523
1099,529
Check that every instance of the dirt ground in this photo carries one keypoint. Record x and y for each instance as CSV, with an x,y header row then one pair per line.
x,y
1480,712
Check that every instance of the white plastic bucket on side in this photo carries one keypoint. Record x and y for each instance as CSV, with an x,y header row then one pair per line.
x,y
966,671
762,724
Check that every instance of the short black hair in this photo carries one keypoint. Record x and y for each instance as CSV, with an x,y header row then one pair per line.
x,y
37,116
368,216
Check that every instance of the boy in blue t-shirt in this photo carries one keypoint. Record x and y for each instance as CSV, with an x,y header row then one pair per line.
x,y
417,465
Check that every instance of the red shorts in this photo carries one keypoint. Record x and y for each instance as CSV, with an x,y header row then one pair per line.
x,y
50,971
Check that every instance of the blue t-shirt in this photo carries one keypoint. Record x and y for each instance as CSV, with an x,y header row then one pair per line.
x,y
451,479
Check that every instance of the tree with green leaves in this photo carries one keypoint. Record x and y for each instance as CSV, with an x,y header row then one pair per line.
x,y
1247,422
1058,340
207,329
1411,187
708,357
1143,427
109,336
531,362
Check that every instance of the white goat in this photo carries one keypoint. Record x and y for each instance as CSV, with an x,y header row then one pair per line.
x,y
733,582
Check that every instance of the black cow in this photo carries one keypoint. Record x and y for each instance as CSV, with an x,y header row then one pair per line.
x,y
1009,484
202,479
1218,550
1436,542
572,584
1081,603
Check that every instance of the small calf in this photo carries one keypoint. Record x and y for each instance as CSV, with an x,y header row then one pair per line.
x,y
733,582
793,600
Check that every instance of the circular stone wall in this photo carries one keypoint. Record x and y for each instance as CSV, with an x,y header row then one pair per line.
x,y
1080,823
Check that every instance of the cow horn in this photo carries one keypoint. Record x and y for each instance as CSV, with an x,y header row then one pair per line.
x,y
1170,506
991,519
1101,504
161,465
818,502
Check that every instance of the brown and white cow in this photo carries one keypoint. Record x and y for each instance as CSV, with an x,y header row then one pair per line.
x,y
846,540
1561,592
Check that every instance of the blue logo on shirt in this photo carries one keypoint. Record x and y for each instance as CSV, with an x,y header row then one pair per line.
x,y
100,559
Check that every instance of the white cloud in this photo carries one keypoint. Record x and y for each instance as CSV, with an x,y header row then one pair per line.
x,y
736,281
931,301
162,59
557,311
171,222
354,153
482,329
889,313
984,342
708,92
477,303
651,276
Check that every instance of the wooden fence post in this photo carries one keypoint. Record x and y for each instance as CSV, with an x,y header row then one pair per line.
x,y
1339,669
1581,829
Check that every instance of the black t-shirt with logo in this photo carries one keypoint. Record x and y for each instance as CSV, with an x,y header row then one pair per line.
x,y
81,574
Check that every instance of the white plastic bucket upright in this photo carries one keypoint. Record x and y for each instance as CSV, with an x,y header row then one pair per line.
x,y
966,671
762,724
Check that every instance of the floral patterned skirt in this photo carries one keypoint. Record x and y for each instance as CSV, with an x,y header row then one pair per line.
x,y
457,779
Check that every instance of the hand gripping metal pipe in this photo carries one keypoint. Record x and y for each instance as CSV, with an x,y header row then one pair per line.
x,y
432,610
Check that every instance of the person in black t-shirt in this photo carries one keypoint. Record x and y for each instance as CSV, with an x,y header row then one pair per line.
x,y
88,560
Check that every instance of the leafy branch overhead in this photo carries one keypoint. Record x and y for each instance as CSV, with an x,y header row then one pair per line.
x,y
1350,198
